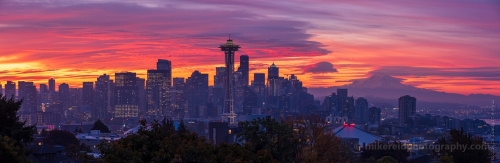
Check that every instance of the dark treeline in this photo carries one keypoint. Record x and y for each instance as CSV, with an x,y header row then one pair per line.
x,y
301,139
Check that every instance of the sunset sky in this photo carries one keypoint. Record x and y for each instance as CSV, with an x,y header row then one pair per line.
x,y
444,45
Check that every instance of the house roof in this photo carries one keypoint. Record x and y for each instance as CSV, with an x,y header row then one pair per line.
x,y
349,131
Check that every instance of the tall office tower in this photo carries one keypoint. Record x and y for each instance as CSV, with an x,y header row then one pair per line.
x,y
293,87
361,111
374,115
259,88
197,90
259,79
21,86
239,91
228,109
220,75
273,80
88,93
407,108
141,89
163,64
158,93
30,100
44,89
10,89
250,101
344,105
179,98
75,97
102,98
126,95
342,92
64,96
52,85
273,71
244,69
1,90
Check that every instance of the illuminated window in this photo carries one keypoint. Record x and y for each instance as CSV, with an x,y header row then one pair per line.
x,y
229,131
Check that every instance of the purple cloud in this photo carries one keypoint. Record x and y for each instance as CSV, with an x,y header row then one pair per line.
x,y
481,73
320,67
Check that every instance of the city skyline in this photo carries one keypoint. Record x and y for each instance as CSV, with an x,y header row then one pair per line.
x,y
323,43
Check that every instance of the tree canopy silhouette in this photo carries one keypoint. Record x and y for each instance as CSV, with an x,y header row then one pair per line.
x,y
475,150
98,125
10,125
14,134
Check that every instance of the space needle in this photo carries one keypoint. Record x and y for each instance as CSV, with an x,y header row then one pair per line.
x,y
228,109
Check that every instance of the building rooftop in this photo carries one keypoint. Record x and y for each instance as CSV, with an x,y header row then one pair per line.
x,y
350,131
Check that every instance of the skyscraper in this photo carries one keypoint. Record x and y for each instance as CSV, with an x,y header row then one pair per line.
x,y
407,108
244,69
88,93
361,111
374,115
21,86
1,90
342,92
75,97
239,91
126,95
179,98
44,89
10,89
259,87
52,85
197,90
344,104
228,109
273,71
163,64
21,92
250,101
259,79
30,98
158,92
64,96
219,77
102,97
141,82
274,82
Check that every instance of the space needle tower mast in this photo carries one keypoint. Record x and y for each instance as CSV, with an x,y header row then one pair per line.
x,y
228,113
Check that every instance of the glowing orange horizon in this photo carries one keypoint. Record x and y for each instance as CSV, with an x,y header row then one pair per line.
x,y
328,44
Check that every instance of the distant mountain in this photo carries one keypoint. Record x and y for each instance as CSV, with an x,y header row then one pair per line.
x,y
388,87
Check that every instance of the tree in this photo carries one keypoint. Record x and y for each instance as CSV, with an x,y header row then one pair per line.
x,y
61,137
387,159
475,150
182,127
10,125
268,134
44,133
85,147
155,144
98,125
317,143
392,149
446,159
10,151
